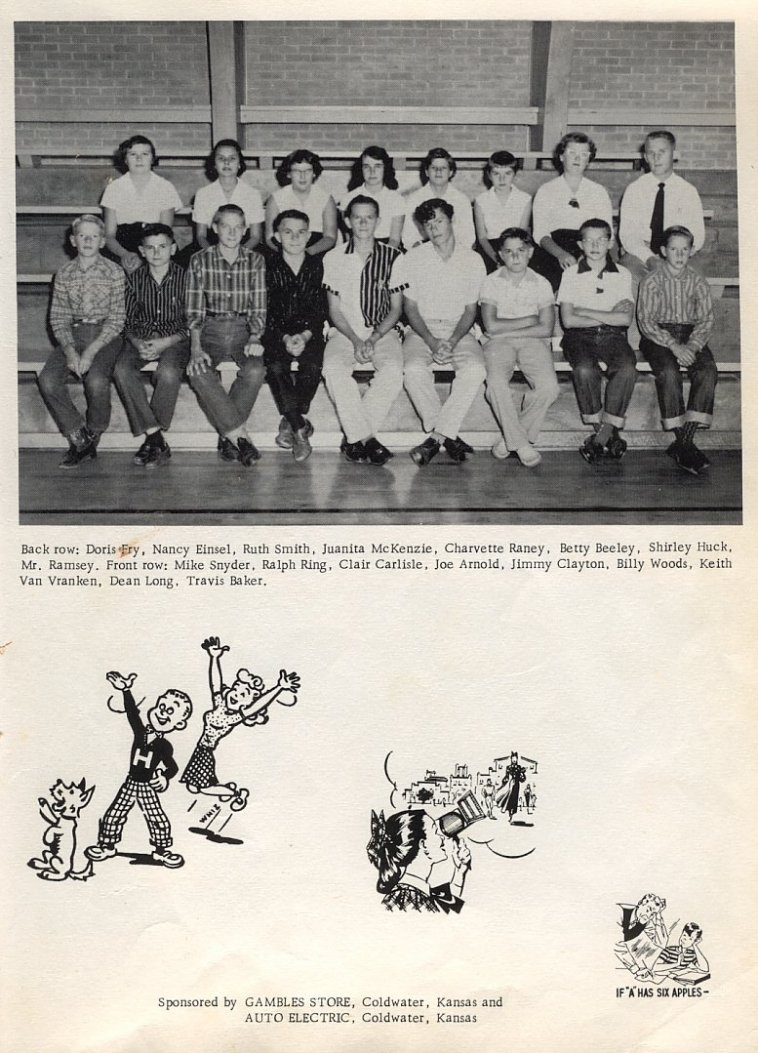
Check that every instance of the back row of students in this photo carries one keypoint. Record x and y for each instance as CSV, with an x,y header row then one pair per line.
x,y
270,319
652,202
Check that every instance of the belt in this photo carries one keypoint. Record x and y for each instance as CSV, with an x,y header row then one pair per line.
x,y
88,321
225,314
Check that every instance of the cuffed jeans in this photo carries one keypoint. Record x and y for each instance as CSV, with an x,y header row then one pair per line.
x,y
55,377
167,379
468,363
362,417
584,350
293,391
703,376
224,340
535,360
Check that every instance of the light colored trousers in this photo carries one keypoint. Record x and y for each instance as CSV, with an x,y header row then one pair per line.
x,y
534,358
468,363
362,417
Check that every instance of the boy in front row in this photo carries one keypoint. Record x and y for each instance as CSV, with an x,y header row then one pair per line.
x,y
156,331
518,314
226,313
675,314
596,305
86,317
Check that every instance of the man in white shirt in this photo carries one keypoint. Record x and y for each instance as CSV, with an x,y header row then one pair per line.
x,y
440,281
657,200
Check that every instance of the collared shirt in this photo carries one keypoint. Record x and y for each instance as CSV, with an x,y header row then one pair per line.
x,y
601,290
391,204
681,207
156,309
516,300
463,216
364,287
209,199
313,205
500,213
215,285
441,289
684,299
140,206
552,210
296,302
94,294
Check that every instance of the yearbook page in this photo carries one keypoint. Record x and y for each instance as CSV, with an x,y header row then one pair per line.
x,y
476,777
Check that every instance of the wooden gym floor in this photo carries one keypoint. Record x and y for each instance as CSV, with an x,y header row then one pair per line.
x,y
195,488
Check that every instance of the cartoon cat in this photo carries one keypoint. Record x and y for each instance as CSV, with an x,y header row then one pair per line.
x,y
61,813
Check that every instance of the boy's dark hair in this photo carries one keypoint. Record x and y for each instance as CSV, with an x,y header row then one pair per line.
x,y
661,133
290,213
211,171
512,232
119,154
672,232
150,230
234,209
501,159
693,929
377,153
595,224
438,153
427,209
572,137
361,199
298,157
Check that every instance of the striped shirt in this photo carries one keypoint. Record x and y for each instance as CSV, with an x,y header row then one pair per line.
x,y
296,302
683,300
94,294
670,956
153,309
217,287
363,286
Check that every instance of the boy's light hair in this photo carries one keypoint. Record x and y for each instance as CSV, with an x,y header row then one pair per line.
x,y
88,218
673,232
229,209
661,133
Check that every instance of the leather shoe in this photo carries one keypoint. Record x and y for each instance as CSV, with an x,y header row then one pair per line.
x,y
457,449
375,452
249,454
227,450
424,453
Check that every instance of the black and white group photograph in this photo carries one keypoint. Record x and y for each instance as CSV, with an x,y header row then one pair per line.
x,y
377,272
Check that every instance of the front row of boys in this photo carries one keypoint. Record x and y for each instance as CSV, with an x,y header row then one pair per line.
x,y
269,319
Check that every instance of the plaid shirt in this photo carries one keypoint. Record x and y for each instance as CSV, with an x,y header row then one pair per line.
x,y
218,287
93,295
155,309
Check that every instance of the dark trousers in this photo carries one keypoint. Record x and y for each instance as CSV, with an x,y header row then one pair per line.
x,y
56,376
584,350
167,380
293,391
703,377
223,340
546,264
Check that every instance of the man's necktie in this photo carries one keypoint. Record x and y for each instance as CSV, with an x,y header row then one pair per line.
x,y
656,223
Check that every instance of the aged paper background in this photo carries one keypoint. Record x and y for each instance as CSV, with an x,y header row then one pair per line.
x,y
635,693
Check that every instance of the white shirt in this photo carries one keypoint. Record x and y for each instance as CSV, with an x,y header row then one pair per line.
x,y
463,217
132,206
313,205
600,290
681,207
441,289
500,214
553,212
516,300
391,204
209,199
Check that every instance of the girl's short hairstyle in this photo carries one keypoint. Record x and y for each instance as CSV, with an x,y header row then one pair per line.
x,y
572,137
298,157
87,218
377,153
290,213
119,155
673,232
394,844
439,153
210,162
501,159
657,901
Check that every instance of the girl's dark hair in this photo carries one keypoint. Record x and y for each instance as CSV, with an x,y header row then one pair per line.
x,y
394,844
298,157
437,154
119,154
378,153
210,161
504,159
572,137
